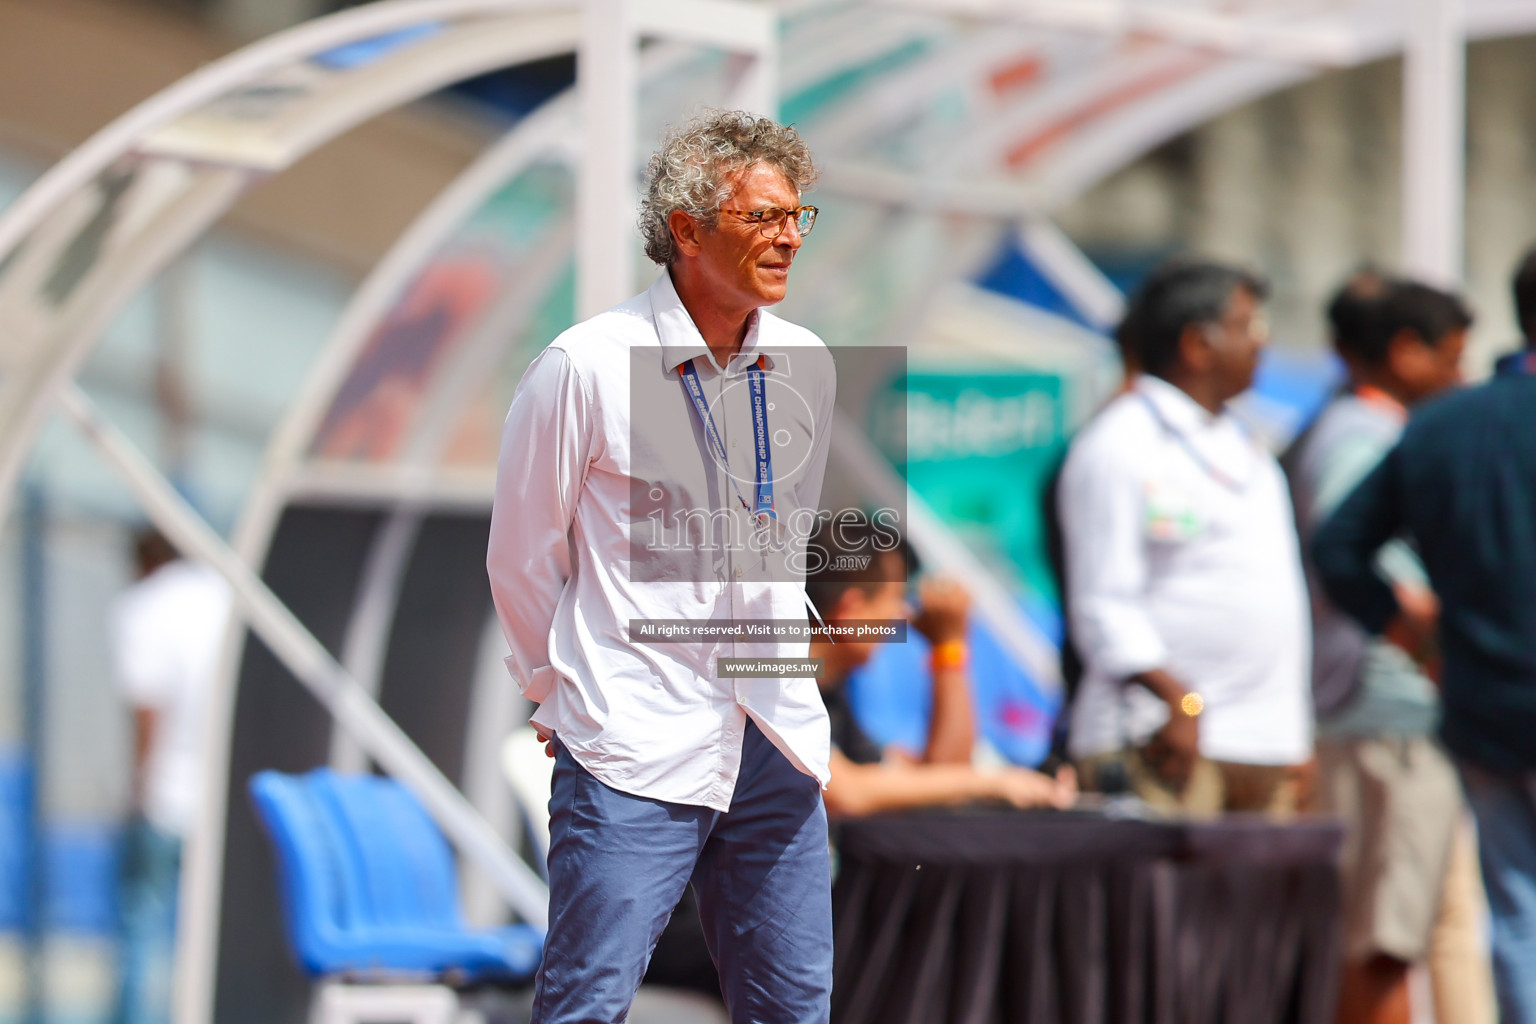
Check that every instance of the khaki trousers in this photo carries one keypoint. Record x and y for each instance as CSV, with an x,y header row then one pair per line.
x,y
1214,787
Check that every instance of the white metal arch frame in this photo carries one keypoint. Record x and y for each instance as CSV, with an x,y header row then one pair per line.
x,y
1199,60
172,165
138,192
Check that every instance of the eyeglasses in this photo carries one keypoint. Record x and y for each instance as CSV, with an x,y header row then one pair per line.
x,y
1256,330
772,220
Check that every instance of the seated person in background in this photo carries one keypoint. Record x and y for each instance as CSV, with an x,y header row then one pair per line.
x,y
865,779
1379,765
1183,571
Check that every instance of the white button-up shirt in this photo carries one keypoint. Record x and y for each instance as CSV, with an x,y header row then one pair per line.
x,y
168,631
602,459
1181,554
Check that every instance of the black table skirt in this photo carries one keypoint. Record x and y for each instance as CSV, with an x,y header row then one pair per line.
x,y
1051,918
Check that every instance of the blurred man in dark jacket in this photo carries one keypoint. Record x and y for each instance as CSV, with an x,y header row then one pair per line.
x,y
1380,766
1461,483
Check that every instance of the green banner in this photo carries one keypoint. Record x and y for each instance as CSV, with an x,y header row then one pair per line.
x,y
980,448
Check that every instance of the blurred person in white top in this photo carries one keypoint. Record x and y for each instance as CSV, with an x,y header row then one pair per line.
x,y
167,630
1183,573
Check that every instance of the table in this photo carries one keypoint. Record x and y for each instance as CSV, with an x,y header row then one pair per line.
x,y
983,917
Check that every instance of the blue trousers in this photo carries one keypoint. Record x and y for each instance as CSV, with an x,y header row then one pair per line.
x,y
151,870
1506,844
761,873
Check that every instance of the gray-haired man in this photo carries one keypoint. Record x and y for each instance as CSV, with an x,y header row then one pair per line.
x,y
630,440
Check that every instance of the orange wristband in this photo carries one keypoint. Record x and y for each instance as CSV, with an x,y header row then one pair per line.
x,y
951,654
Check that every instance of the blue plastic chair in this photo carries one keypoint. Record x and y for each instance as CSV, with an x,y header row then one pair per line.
x,y
369,886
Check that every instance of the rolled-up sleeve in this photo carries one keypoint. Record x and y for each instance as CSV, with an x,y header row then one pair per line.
x,y
1345,546
545,449
1100,502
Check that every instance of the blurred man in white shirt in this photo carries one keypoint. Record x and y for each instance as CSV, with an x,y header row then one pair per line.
x,y
167,630
1183,573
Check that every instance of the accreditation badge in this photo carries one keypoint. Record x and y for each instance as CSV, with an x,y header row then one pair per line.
x,y
1170,515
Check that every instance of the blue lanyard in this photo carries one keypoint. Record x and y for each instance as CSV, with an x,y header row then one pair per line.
x,y
761,449
760,446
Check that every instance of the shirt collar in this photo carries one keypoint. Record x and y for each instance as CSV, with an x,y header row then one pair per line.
x,y
1219,443
1379,399
680,337
1516,363
1177,408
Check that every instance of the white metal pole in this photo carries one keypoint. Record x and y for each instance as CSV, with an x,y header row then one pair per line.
x,y
606,200
1072,272
362,654
756,89
1434,140
755,53
307,658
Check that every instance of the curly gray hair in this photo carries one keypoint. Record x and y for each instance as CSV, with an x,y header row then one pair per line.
x,y
692,170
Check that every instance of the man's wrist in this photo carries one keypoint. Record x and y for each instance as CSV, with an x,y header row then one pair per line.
x,y
1181,701
1162,685
948,656
986,785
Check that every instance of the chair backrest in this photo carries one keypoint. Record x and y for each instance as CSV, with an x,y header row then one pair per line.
x,y
404,865
369,884
317,877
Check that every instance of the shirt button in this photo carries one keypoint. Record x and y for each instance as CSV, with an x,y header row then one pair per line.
x,y
741,700
738,574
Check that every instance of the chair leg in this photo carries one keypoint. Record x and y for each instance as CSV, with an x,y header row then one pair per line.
x,y
340,1003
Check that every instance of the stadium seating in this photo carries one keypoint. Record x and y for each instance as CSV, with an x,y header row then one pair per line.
x,y
370,889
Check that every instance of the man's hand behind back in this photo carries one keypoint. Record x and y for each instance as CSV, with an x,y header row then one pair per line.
x,y
547,738
1414,629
